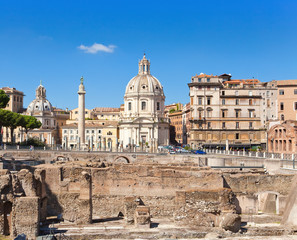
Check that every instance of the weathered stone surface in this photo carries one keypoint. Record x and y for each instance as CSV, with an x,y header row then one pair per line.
x,y
130,205
202,207
230,222
142,217
26,216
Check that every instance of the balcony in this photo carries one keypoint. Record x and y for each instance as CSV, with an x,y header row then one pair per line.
x,y
197,119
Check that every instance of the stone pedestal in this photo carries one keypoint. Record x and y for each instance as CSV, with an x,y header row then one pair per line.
x,y
142,217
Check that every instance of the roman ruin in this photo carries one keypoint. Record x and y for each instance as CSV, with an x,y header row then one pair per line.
x,y
127,195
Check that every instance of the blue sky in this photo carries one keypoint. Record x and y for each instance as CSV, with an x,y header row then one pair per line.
x,y
40,40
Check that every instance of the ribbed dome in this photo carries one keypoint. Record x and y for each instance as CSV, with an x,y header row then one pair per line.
x,y
40,103
144,82
39,106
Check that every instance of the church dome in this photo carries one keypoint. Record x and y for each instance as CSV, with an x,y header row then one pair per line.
x,y
40,103
144,82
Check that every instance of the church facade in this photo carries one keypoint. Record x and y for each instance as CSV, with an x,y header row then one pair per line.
x,y
142,123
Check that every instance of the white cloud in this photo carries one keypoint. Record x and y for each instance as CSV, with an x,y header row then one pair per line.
x,y
97,47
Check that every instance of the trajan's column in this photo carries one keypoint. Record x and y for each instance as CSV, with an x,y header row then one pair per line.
x,y
81,112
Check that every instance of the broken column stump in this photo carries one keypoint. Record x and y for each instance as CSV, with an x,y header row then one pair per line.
x,y
142,217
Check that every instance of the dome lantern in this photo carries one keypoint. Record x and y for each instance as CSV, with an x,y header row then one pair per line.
x,y
144,66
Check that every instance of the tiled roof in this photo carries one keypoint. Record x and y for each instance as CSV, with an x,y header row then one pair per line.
x,y
286,82
243,81
205,75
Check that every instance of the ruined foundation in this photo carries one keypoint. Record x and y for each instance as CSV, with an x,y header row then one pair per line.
x,y
142,195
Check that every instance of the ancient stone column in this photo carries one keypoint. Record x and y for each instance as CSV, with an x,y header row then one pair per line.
x,y
81,111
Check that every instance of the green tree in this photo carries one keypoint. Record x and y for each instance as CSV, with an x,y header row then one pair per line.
x,y
5,119
30,123
4,99
3,114
13,121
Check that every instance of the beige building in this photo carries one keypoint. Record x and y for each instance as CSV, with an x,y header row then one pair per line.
x,y
16,97
282,138
106,113
287,99
61,117
100,135
88,114
232,113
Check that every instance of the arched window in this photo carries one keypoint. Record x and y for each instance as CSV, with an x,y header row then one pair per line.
x,y
282,117
129,106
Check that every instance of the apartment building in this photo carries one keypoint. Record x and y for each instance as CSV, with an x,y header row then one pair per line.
x,y
186,115
176,126
106,113
89,114
287,99
15,103
230,113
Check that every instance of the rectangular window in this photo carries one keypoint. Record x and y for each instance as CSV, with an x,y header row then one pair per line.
x,y
224,114
236,101
250,101
223,125
250,114
268,102
223,101
281,92
236,113
295,91
250,93
282,107
267,94
251,124
99,131
236,135
208,79
223,93
208,101
237,125
209,125
295,105
200,101
129,106
199,79
158,106
143,105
